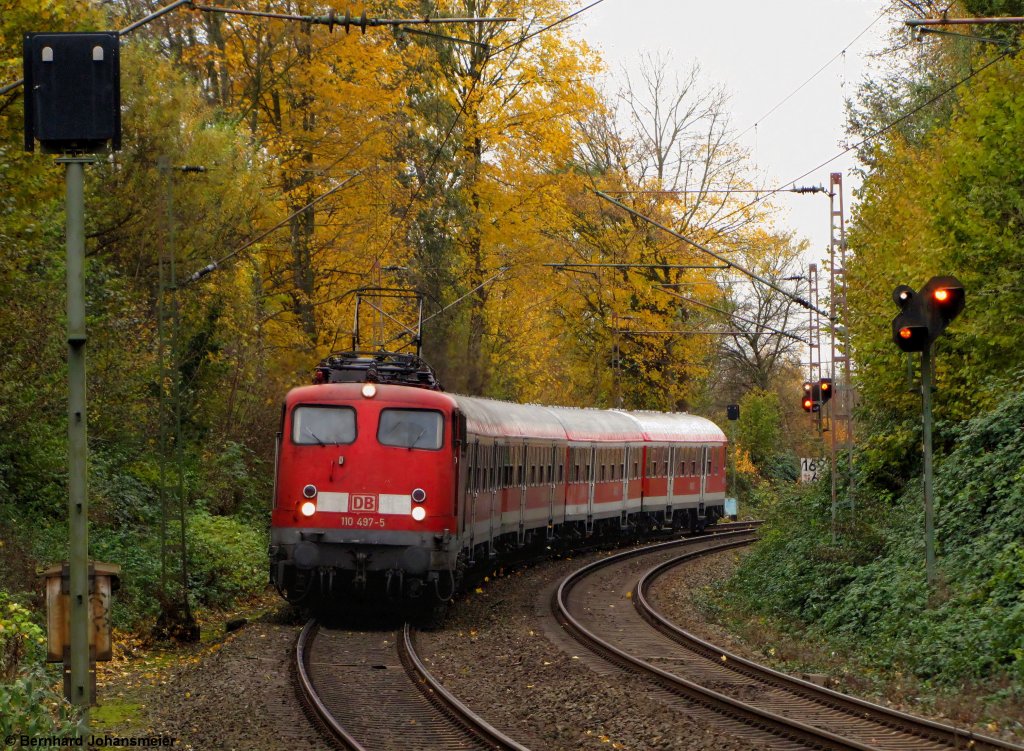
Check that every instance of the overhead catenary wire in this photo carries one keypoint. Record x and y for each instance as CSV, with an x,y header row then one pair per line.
x,y
126,30
735,316
214,265
501,272
816,73
673,332
345,21
562,20
739,267
703,191
330,20
915,22
458,116
879,132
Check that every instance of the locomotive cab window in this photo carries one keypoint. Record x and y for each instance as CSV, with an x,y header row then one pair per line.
x,y
319,425
411,428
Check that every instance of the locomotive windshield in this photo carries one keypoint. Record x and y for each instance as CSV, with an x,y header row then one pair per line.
x,y
411,428
323,425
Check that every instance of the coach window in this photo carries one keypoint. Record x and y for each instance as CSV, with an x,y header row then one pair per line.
x,y
411,428
323,425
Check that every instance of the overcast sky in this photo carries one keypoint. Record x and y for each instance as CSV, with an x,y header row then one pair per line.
x,y
761,52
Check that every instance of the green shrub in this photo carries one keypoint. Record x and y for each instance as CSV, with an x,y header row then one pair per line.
x,y
870,591
227,558
31,706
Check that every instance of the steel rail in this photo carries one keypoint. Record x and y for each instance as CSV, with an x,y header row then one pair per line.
x,y
311,698
745,713
466,723
891,718
450,704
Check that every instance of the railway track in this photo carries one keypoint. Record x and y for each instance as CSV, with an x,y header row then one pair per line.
x,y
606,607
872,724
369,691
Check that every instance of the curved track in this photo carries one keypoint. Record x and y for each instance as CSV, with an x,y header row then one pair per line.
x,y
854,718
369,691
761,705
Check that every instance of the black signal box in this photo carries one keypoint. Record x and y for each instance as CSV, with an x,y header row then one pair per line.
x,y
72,92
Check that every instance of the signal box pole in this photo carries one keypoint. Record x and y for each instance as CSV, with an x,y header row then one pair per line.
x,y
73,108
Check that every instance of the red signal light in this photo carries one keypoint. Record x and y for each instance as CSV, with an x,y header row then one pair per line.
x,y
942,295
808,403
906,332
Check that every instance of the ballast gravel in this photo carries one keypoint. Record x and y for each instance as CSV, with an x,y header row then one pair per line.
x,y
501,652
505,656
238,699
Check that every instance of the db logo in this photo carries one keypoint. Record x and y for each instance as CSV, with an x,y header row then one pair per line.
x,y
364,503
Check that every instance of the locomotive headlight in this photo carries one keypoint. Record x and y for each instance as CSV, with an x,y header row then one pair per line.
x,y
309,491
308,508
369,390
419,495
419,513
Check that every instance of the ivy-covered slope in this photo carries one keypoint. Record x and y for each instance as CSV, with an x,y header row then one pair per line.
x,y
870,590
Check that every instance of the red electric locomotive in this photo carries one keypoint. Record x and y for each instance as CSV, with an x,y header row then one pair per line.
x,y
387,487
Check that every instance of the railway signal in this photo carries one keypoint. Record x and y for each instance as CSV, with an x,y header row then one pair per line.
x,y
810,400
825,389
924,315
922,319
943,297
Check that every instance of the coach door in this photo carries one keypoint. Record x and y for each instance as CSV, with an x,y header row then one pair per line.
x,y
499,459
552,463
670,481
473,486
704,456
624,470
591,470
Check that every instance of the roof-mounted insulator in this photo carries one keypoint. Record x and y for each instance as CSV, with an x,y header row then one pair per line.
x,y
396,368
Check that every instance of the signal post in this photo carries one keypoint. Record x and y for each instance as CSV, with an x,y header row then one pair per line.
x,y
73,108
923,317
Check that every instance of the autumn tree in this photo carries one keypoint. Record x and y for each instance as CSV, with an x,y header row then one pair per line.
x,y
770,328
488,145
665,150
